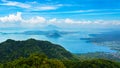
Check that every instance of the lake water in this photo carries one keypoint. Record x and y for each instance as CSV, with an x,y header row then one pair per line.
x,y
71,42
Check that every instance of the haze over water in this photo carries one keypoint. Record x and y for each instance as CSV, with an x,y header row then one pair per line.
x,y
71,41
84,16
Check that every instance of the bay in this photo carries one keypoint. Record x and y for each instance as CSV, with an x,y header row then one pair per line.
x,y
71,42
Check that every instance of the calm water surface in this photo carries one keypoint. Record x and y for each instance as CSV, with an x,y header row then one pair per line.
x,y
71,42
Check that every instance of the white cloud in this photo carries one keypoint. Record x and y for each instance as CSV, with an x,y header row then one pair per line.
x,y
34,20
88,12
91,22
17,4
54,20
15,19
39,8
11,18
69,20
76,11
31,6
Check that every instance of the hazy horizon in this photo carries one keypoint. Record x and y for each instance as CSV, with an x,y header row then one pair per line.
x,y
64,22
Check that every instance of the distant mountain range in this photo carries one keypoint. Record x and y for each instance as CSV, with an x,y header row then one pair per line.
x,y
50,31
51,27
47,33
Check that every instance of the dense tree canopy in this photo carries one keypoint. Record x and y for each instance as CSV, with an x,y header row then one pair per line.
x,y
43,54
34,61
41,61
11,49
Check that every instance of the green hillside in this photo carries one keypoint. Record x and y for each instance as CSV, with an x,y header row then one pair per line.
x,y
11,49
33,53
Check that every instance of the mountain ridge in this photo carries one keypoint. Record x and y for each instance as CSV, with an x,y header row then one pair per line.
x,y
11,49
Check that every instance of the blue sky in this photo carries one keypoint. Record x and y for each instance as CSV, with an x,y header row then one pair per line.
x,y
40,12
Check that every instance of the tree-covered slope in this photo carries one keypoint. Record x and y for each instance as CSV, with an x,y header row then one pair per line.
x,y
11,49
94,63
41,61
43,54
34,61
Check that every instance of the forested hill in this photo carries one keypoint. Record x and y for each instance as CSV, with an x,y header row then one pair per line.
x,y
33,53
11,49
41,61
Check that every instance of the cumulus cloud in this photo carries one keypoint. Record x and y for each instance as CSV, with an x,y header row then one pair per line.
x,y
92,22
11,18
34,20
17,19
54,20
69,20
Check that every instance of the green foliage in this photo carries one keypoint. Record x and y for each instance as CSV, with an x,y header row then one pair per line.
x,y
43,54
34,61
99,63
41,61
11,49
95,63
